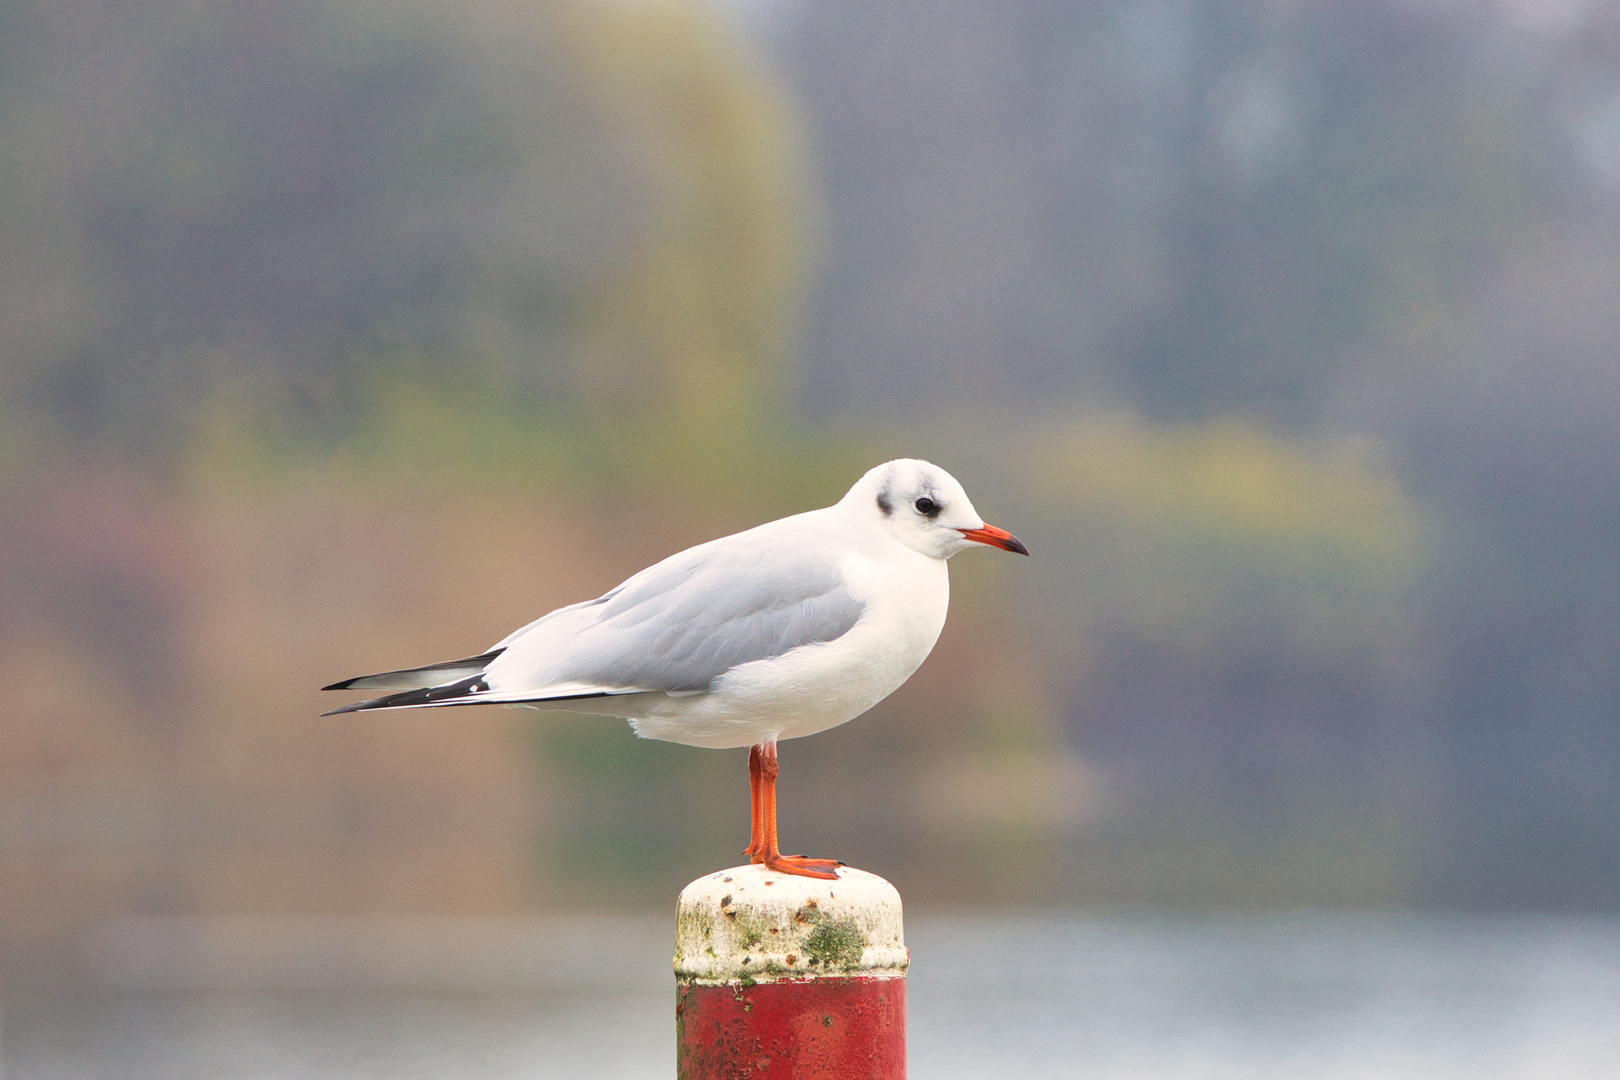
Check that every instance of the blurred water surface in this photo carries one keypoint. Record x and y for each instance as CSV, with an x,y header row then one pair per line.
x,y
1320,995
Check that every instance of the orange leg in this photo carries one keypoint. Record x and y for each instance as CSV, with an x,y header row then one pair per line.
x,y
762,848
756,809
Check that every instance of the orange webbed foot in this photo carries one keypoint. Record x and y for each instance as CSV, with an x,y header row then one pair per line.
x,y
802,866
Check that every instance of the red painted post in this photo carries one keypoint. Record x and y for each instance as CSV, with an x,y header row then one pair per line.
x,y
779,976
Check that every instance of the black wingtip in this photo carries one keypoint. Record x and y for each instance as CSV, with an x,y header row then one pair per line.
x,y
456,693
482,660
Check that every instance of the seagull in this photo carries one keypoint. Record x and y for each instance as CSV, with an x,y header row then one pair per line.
x,y
778,632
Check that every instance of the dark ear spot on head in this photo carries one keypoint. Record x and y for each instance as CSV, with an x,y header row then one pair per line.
x,y
884,504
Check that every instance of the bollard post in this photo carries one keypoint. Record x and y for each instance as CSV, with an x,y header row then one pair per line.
x,y
780,976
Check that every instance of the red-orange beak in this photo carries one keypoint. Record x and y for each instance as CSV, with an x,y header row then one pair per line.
x,y
995,537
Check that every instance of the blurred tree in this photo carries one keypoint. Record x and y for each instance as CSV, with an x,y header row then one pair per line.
x,y
1189,208
1512,435
1228,615
1343,170
587,213
322,261
1265,230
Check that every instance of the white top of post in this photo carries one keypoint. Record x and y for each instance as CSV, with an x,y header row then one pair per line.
x,y
750,924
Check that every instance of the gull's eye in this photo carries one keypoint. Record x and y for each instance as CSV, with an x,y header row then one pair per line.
x,y
927,507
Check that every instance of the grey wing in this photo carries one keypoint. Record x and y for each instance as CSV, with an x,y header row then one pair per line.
x,y
679,625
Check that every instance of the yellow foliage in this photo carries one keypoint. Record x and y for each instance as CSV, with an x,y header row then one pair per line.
x,y
1230,477
698,321
1209,535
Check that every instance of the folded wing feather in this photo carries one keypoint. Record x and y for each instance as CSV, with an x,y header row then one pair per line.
x,y
673,628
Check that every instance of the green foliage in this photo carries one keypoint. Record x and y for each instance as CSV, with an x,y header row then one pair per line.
x,y
1207,535
571,224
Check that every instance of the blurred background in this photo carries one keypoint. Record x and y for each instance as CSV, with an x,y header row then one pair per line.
x,y
341,336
